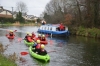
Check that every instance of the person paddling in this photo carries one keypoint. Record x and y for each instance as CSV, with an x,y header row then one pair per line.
x,y
11,34
36,46
27,34
42,51
33,35
29,38
43,38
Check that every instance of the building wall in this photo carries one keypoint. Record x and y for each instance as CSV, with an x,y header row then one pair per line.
x,y
5,14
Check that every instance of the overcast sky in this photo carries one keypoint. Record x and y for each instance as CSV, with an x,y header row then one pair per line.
x,y
35,7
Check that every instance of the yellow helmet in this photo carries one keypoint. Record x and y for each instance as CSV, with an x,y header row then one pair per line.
x,y
27,33
38,41
42,46
11,30
39,34
30,34
43,35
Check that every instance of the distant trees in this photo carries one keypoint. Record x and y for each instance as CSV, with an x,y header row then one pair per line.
x,y
73,12
19,17
21,7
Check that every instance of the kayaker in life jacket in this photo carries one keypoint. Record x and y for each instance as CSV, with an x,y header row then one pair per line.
x,y
38,38
36,46
43,38
33,35
61,27
29,38
11,33
27,34
42,51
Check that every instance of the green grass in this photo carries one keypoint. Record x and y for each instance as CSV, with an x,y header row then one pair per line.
x,y
6,62
88,32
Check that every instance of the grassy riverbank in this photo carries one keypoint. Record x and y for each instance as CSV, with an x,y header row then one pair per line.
x,y
87,32
6,62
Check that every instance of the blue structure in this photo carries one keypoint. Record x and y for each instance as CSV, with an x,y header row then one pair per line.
x,y
53,29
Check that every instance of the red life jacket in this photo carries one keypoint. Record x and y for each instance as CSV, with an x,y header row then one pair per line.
x,y
33,35
29,39
43,39
38,46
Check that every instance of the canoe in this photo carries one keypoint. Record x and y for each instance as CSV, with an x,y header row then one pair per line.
x,y
45,58
44,42
28,43
10,37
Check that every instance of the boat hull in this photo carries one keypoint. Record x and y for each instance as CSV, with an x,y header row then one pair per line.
x,y
28,43
45,58
64,33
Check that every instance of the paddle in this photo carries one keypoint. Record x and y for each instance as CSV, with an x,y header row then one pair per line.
x,y
20,39
25,53
9,30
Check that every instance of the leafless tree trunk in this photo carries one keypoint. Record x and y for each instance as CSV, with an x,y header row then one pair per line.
x,y
21,6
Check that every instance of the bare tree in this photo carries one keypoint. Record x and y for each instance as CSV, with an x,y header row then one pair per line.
x,y
21,6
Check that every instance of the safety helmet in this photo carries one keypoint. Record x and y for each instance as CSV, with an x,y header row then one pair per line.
x,y
27,33
11,30
38,41
39,35
30,34
43,35
42,46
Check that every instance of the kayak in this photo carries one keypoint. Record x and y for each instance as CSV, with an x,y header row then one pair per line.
x,y
45,58
44,42
28,43
10,37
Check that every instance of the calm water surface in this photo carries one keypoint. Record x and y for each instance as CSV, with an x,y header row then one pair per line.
x,y
72,51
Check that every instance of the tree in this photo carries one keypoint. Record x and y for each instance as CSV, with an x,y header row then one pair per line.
x,y
19,17
21,7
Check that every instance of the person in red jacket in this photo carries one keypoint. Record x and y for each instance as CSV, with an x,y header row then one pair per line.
x,y
11,33
38,38
29,38
27,34
61,27
33,35
36,46
43,38
42,51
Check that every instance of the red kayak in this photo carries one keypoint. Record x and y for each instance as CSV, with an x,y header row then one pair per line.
x,y
10,37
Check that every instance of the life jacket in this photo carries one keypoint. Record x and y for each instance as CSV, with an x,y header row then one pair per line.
x,y
38,46
61,27
29,39
33,35
38,38
43,39
11,34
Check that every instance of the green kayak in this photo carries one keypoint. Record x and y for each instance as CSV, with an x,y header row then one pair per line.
x,y
28,43
45,58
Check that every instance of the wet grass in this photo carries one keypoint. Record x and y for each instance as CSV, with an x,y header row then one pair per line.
x,y
8,60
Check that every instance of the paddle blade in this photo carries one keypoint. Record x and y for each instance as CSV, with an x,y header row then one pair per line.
x,y
20,39
15,30
24,53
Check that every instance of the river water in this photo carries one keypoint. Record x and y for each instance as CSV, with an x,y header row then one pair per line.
x,y
72,51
